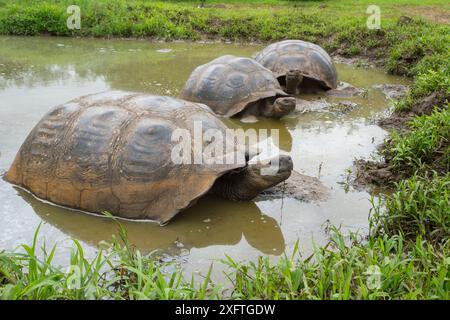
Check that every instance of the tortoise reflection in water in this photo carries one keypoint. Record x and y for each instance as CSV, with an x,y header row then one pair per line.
x,y
212,222
112,152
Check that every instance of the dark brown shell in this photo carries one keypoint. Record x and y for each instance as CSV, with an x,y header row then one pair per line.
x,y
313,61
112,152
229,83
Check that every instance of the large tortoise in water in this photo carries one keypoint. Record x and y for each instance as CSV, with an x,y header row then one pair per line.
x,y
237,86
299,65
113,152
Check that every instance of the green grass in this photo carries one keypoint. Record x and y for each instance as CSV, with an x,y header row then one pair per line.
x,y
418,207
381,268
424,147
432,75
339,27
118,272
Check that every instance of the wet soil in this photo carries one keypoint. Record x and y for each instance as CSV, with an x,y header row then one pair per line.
x,y
381,173
298,186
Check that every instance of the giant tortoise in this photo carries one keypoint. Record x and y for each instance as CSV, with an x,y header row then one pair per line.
x,y
113,151
299,66
237,86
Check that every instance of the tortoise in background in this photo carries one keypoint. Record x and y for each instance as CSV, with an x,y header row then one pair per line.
x,y
237,86
299,66
112,151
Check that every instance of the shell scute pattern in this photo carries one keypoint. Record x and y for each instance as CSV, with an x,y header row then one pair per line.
x,y
86,160
312,60
229,83
37,154
146,154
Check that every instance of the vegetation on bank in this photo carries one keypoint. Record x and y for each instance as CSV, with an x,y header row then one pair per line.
x,y
406,255
424,147
383,267
419,145
419,207
400,43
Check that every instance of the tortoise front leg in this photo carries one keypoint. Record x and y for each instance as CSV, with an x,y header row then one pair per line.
x,y
250,113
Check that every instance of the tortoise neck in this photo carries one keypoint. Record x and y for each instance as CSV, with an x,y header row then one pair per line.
x,y
235,185
292,83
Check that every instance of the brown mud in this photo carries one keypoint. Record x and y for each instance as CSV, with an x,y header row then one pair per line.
x,y
298,186
397,121
381,173
372,173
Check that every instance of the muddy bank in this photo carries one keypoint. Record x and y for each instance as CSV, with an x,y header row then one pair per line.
x,y
373,173
298,186
381,173
424,106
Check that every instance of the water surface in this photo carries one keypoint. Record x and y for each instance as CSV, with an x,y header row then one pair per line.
x,y
39,73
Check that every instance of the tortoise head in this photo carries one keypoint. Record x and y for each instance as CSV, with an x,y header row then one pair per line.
x,y
267,173
247,182
277,107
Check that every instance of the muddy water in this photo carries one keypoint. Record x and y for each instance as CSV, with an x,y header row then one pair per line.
x,y
38,73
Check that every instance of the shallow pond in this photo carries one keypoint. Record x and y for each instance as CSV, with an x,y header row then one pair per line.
x,y
39,73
